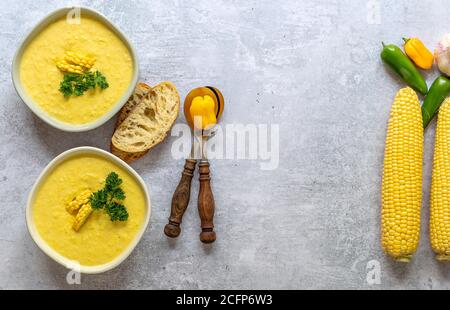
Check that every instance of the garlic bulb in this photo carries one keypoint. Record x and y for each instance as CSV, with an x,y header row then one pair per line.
x,y
442,55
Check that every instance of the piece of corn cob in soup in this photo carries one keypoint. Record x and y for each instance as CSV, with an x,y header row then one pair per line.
x,y
78,59
78,201
402,177
75,63
82,216
440,187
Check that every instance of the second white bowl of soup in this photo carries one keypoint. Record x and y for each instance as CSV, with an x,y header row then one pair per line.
x,y
88,210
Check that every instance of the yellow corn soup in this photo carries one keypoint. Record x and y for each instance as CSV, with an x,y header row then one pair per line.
x,y
99,240
41,78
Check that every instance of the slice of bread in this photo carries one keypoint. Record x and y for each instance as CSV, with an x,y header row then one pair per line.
x,y
125,156
150,121
139,93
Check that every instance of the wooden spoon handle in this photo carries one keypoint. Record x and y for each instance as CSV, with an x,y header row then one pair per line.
x,y
180,200
206,204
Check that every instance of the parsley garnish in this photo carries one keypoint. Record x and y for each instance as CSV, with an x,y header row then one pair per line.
x,y
100,80
77,84
108,198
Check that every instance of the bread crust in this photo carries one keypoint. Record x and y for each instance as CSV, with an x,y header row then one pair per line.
x,y
148,123
139,93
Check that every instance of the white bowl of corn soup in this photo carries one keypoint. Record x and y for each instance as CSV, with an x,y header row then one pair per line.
x,y
75,69
94,241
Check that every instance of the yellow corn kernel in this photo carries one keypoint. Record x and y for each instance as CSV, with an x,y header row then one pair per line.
x,y
77,59
440,187
402,178
80,200
82,216
70,68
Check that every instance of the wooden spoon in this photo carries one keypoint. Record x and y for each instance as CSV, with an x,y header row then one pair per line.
x,y
181,196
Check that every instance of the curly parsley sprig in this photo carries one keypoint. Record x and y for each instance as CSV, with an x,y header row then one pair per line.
x,y
108,198
77,84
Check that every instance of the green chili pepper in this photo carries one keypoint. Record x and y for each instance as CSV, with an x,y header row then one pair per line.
x,y
439,90
397,60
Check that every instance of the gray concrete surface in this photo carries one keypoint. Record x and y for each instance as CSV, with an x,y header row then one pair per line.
x,y
310,66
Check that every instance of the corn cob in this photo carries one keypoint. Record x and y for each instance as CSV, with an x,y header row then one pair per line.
x,y
440,190
80,60
70,68
80,200
75,63
82,216
402,178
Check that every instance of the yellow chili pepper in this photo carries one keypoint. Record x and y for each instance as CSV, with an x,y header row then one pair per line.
x,y
203,107
418,53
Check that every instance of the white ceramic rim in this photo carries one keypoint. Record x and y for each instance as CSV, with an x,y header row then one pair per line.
x,y
69,264
35,107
